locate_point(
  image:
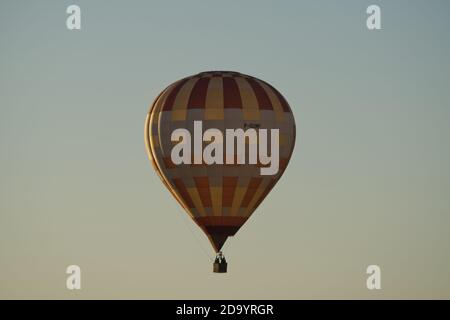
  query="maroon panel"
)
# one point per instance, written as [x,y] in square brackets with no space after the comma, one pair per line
[226,230]
[197,98]
[231,94]
[228,187]
[179,185]
[283,101]
[261,95]
[202,185]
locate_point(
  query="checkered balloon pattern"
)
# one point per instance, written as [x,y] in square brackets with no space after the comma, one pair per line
[218,197]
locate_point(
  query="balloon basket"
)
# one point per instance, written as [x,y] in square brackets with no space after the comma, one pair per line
[220,264]
[220,267]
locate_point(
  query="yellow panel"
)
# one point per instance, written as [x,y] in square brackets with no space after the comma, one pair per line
[179,115]
[283,139]
[182,100]
[214,100]
[276,104]
[216,198]
[237,199]
[155,141]
[197,201]
[250,108]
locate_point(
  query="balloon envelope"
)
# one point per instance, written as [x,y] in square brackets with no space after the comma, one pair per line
[218,197]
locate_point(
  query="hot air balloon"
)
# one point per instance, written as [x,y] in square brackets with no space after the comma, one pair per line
[221,189]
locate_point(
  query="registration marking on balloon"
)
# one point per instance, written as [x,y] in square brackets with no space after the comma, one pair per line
[220,141]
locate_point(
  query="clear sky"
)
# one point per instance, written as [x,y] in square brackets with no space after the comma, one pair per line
[368,183]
